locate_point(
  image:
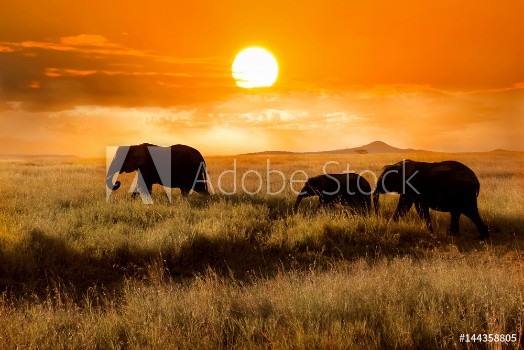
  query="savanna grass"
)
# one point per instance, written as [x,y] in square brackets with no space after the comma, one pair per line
[243,271]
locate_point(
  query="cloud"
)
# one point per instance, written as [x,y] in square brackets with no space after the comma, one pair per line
[420,118]
[5,48]
[99,45]
[92,70]
[68,72]
[411,117]
[61,72]
[84,43]
[87,40]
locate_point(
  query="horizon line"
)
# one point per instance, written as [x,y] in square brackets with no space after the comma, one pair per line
[258,153]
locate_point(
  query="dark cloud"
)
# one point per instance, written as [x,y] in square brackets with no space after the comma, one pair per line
[89,70]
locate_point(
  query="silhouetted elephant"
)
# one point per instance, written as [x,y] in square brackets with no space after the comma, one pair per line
[350,189]
[178,166]
[447,186]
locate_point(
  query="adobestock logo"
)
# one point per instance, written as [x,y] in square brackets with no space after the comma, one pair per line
[151,166]
[156,165]
[262,182]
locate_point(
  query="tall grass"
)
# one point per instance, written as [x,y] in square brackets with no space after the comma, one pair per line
[243,271]
[365,304]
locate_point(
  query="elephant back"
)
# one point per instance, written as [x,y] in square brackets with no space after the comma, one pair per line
[187,164]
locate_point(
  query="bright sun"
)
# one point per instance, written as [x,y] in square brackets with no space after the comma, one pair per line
[255,67]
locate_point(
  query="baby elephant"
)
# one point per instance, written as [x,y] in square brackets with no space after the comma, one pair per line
[349,188]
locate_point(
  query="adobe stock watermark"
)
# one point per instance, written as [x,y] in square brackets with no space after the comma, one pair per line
[154,167]
[156,161]
[263,182]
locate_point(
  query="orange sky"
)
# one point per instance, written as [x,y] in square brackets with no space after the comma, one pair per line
[445,75]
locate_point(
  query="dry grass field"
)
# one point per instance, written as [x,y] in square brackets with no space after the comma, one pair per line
[242,271]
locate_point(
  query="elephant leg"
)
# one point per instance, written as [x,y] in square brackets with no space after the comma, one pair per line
[423,212]
[332,200]
[454,225]
[136,192]
[481,226]
[328,202]
[322,201]
[147,191]
[360,205]
[404,204]
[367,205]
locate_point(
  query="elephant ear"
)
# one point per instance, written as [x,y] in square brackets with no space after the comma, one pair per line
[410,167]
[413,178]
[138,156]
[387,168]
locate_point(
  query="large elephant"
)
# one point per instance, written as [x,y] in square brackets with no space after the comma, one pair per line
[177,166]
[350,189]
[447,186]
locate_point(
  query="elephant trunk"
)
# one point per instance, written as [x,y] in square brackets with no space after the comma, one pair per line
[303,194]
[116,167]
[109,183]
[376,195]
[297,203]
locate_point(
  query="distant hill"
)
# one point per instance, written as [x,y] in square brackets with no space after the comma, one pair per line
[500,150]
[33,156]
[373,147]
